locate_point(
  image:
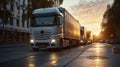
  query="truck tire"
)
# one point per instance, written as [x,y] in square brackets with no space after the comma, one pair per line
[61,44]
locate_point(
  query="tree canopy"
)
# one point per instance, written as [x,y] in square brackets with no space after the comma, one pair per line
[43,3]
[111,20]
[36,4]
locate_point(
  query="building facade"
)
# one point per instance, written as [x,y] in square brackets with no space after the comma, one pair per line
[14,21]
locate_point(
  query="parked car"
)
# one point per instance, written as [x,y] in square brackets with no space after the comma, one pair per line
[116,49]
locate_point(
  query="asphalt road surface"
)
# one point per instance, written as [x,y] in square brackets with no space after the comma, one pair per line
[92,55]
[26,57]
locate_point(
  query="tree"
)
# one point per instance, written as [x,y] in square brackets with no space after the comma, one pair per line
[111,20]
[116,16]
[36,4]
[43,3]
[5,16]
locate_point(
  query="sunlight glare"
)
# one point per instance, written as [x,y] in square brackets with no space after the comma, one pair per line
[54,58]
[96,34]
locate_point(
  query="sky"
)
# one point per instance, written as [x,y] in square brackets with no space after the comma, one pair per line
[88,12]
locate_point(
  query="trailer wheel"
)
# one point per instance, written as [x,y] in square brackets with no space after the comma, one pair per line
[60,48]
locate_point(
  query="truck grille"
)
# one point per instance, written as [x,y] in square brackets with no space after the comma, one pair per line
[38,36]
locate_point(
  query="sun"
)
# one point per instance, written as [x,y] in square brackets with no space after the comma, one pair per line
[97,33]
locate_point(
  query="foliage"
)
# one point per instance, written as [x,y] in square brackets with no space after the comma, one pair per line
[4,13]
[111,20]
[43,3]
[32,4]
[36,4]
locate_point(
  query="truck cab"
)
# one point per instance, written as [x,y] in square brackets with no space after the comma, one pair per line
[46,28]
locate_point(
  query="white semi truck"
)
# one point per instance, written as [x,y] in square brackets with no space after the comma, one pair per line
[54,28]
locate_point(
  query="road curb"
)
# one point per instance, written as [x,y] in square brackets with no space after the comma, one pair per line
[9,45]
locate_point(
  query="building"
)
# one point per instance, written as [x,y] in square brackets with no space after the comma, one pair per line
[14,21]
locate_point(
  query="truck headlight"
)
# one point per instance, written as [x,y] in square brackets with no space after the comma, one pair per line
[31,41]
[53,41]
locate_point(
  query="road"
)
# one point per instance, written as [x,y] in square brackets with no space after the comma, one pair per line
[99,55]
[26,57]
[92,55]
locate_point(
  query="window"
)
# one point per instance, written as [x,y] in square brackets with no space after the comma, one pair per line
[18,22]
[28,24]
[23,23]
[43,21]
[11,21]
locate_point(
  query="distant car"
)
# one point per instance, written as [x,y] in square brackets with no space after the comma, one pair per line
[89,42]
[102,41]
[113,41]
[116,49]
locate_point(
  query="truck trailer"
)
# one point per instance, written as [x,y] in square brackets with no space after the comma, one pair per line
[54,28]
[83,37]
[89,37]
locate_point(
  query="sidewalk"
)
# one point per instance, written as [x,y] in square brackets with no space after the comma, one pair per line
[7,45]
[97,56]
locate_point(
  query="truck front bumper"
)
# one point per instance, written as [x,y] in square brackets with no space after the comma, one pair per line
[44,44]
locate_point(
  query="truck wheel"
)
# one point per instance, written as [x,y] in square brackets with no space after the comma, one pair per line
[60,48]
[70,46]
[35,49]
[61,43]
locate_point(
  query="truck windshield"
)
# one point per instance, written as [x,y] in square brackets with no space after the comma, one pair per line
[43,21]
